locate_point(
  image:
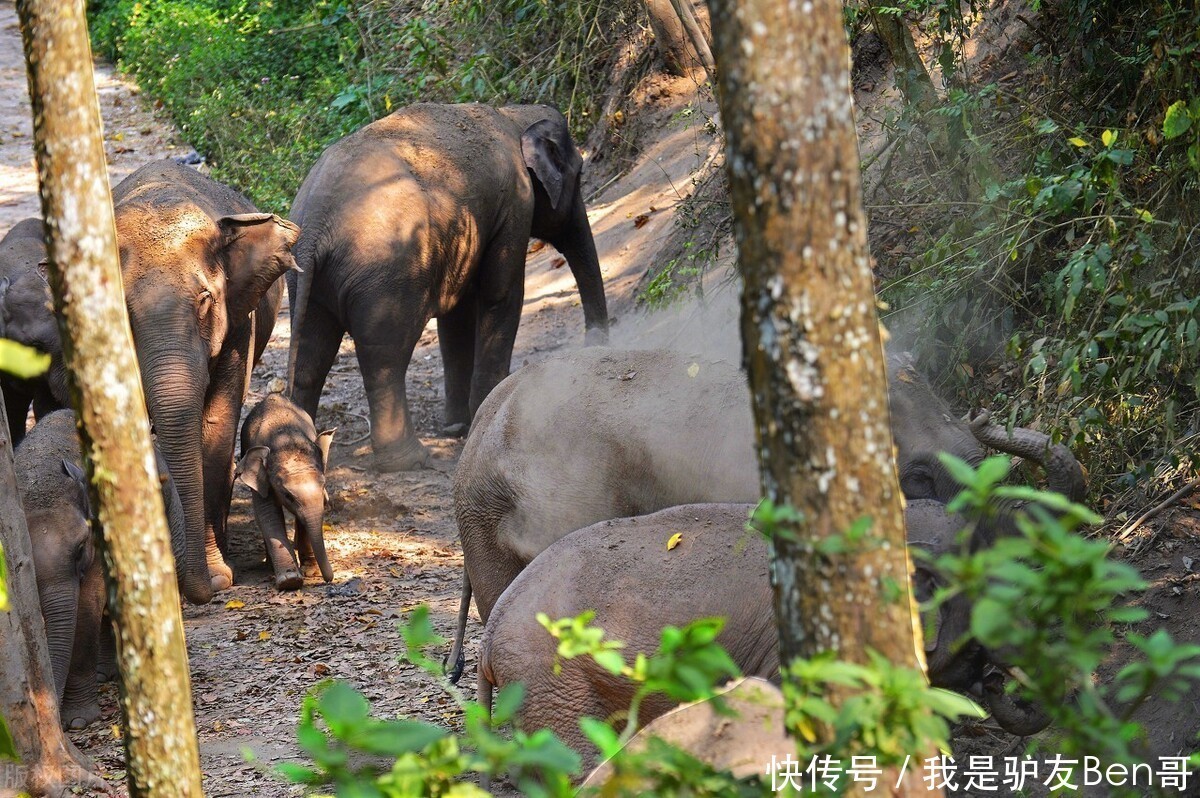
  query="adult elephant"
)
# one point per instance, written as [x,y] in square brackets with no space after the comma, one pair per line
[427,213]
[200,267]
[26,317]
[606,433]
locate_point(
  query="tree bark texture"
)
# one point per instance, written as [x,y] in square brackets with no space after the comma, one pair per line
[85,275]
[810,333]
[680,37]
[49,764]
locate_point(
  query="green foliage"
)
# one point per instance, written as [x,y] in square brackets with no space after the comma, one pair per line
[8,747]
[1069,599]
[3,581]
[262,87]
[22,361]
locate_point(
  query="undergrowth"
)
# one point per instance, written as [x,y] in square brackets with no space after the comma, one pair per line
[261,88]
[1074,253]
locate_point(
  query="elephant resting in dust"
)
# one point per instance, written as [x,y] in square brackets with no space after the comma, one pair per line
[70,583]
[624,571]
[606,433]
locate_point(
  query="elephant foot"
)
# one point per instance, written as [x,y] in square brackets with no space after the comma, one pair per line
[220,575]
[106,671]
[410,455]
[458,430]
[289,580]
[79,716]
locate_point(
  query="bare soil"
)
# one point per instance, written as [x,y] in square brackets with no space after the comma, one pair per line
[392,539]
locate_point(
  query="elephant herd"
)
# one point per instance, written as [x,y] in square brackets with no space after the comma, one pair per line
[575,470]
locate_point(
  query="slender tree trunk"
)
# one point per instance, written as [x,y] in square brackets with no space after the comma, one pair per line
[679,36]
[810,333]
[85,275]
[50,764]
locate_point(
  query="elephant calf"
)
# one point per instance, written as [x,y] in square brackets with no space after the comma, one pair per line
[624,571]
[283,463]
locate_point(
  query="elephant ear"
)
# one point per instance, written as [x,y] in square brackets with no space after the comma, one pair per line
[252,470]
[76,473]
[547,150]
[323,442]
[256,250]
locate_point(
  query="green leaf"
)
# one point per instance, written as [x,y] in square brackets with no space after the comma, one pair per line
[601,735]
[396,737]
[343,707]
[22,361]
[1177,121]
[298,774]
[507,702]
[8,748]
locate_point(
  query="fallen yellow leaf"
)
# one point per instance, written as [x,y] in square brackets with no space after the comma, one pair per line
[234,604]
[264,635]
[674,540]
[115,730]
[693,370]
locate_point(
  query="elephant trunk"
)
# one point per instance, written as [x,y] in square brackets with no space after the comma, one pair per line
[579,248]
[1064,474]
[174,387]
[314,522]
[59,606]
[1016,715]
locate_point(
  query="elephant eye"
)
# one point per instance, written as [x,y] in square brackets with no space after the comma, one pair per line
[82,559]
[918,484]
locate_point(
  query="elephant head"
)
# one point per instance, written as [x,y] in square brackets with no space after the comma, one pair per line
[559,212]
[192,277]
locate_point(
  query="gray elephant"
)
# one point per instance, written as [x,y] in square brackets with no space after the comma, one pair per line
[200,267]
[606,433]
[283,463]
[624,570]
[26,317]
[427,213]
[70,582]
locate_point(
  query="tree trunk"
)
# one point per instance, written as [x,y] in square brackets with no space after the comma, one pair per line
[49,765]
[85,275]
[679,36]
[810,333]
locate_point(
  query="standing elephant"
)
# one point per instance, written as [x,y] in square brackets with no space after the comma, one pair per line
[27,318]
[428,213]
[70,582]
[625,571]
[605,433]
[200,267]
[283,463]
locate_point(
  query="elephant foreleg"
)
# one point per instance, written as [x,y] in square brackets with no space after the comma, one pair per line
[81,705]
[279,550]
[456,339]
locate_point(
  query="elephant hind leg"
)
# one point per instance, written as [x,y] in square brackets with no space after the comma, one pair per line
[317,349]
[384,366]
[456,339]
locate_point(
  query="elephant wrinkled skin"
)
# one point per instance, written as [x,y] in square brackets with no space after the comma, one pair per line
[200,267]
[428,213]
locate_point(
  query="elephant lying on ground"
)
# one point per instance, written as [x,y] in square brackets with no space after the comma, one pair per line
[26,317]
[605,433]
[70,582]
[200,267]
[427,213]
[624,571]
[283,463]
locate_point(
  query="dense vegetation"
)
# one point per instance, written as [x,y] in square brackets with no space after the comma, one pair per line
[1056,231]
[260,88]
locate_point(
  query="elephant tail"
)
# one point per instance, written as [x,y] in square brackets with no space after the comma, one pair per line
[455,659]
[305,253]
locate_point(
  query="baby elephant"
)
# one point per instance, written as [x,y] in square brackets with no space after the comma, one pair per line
[283,463]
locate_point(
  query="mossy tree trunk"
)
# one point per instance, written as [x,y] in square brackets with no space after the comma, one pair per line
[50,764]
[810,333]
[85,275]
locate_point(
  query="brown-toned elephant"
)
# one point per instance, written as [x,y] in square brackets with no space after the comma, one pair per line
[428,213]
[200,267]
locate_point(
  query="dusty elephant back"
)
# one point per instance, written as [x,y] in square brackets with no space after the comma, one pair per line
[39,460]
[597,434]
[624,571]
